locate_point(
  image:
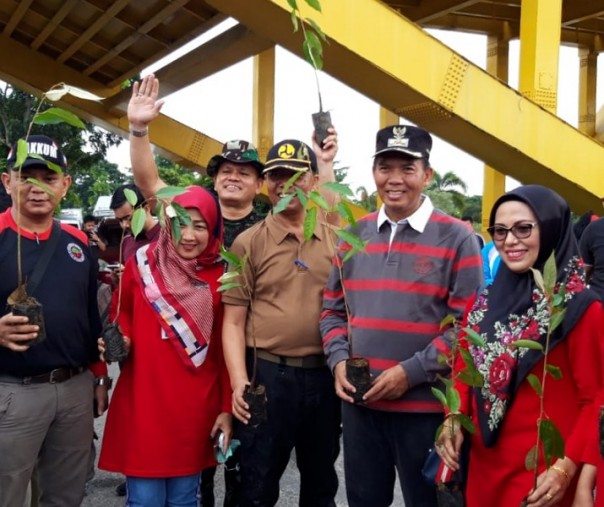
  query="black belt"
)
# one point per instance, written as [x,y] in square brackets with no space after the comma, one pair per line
[52,377]
[314,361]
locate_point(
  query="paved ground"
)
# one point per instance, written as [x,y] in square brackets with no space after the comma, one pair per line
[101,490]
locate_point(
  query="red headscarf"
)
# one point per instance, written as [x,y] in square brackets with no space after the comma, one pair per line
[184,302]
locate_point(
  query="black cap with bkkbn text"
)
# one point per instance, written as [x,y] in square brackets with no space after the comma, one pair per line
[41,151]
[291,154]
[412,141]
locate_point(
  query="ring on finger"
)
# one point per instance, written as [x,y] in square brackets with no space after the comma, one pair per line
[549,497]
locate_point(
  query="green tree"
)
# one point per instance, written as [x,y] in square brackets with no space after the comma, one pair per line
[366,200]
[84,149]
[101,179]
[447,192]
[473,208]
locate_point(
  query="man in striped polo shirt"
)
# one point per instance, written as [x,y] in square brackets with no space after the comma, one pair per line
[420,265]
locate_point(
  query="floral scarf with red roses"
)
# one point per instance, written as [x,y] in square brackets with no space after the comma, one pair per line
[514,308]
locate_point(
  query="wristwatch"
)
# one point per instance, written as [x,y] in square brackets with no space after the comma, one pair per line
[104,380]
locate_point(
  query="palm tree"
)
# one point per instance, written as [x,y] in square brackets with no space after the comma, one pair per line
[449,185]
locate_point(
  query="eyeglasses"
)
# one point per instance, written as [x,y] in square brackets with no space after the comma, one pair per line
[520,231]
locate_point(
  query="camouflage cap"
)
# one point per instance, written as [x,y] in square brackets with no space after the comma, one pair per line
[238,152]
[292,154]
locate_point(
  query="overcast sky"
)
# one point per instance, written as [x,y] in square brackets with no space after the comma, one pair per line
[221,107]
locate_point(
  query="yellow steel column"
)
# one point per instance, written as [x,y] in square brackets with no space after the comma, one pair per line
[540,22]
[263,129]
[388,118]
[494,181]
[588,70]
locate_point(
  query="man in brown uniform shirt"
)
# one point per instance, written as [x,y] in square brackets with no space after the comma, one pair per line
[285,277]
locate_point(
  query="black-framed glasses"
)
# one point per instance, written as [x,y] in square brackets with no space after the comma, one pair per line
[520,231]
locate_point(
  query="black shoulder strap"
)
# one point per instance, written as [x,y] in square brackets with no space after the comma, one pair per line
[40,268]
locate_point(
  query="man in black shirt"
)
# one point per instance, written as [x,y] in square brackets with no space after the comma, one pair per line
[46,389]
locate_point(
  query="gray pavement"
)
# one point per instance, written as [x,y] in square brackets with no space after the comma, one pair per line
[101,489]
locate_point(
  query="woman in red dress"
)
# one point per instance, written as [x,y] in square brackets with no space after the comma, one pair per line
[173,393]
[527,224]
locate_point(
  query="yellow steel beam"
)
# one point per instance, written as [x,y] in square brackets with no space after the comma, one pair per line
[408,71]
[263,127]
[539,49]
[388,118]
[588,75]
[176,140]
[498,48]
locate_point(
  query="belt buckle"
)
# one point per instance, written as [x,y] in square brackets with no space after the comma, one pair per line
[51,377]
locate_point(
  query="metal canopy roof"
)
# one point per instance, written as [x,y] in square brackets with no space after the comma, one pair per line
[112,40]
[582,20]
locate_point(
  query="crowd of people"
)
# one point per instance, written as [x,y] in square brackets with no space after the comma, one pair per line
[302,310]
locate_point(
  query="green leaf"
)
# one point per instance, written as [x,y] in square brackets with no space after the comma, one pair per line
[229,276]
[301,196]
[440,396]
[527,344]
[41,185]
[472,375]
[530,460]
[54,167]
[175,227]
[313,51]
[533,380]
[556,319]
[291,181]
[470,378]
[21,152]
[294,18]
[228,286]
[160,213]
[352,239]
[293,4]
[346,213]
[453,399]
[467,423]
[442,359]
[130,196]
[341,189]
[231,258]
[182,214]
[310,222]
[80,93]
[138,221]
[554,371]
[315,4]
[283,203]
[317,29]
[318,199]
[538,279]
[558,299]
[553,443]
[448,320]
[55,115]
[550,273]
[56,93]
[473,337]
[168,192]
[350,253]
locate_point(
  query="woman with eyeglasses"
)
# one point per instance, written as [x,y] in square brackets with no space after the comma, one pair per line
[528,225]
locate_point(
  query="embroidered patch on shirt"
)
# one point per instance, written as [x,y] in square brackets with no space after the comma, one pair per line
[423,265]
[76,252]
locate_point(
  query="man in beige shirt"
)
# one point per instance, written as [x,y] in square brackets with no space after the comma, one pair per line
[279,306]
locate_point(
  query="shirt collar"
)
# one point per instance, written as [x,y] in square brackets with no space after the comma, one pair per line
[279,233]
[417,220]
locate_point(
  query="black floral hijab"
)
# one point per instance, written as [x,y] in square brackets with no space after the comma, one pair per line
[514,308]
